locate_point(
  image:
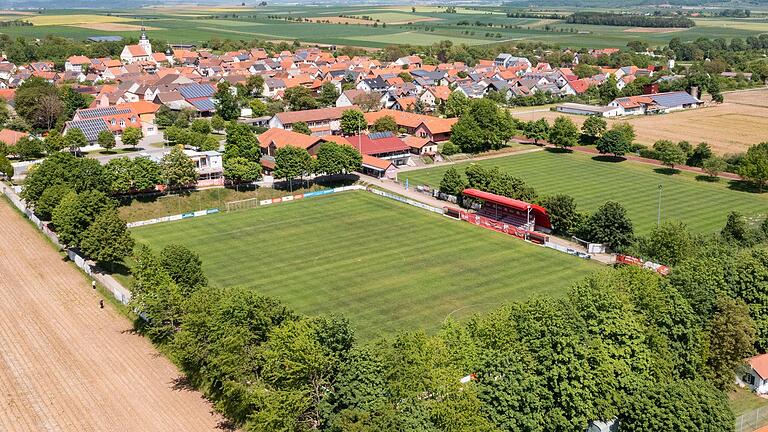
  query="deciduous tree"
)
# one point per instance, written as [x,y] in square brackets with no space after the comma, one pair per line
[609,225]
[453,182]
[227,104]
[184,267]
[107,239]
[386,123]
[563,214]
[302,128]
[177,169]
[239,169]
[594,127]
[353,122]
[76,212]
[106,140]
[292,162]
[132,136]
[669,153]
[564,133]
[754,166]
[75,139]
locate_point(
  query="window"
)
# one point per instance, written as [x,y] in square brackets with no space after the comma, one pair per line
[749,379]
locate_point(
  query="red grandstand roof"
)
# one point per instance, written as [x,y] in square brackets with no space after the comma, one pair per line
[539,212]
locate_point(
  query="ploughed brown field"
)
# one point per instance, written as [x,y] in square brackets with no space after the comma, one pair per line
[66,364]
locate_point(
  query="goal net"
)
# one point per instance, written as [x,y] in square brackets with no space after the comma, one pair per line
[242,204]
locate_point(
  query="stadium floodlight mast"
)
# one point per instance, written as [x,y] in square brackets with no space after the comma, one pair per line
[658,214]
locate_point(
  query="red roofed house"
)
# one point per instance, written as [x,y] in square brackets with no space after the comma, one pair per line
[434,95]
[276,138]
[11,137]
[323,121]
[756,377]
[378,168]
[420,145]
[435,128]
[77,64]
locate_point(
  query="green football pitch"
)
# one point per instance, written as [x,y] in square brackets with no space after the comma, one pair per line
[702,205]
[384,265]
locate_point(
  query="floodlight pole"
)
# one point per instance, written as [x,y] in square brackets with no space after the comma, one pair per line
[658,214]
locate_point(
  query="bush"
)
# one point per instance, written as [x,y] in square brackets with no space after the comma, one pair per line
[449,149]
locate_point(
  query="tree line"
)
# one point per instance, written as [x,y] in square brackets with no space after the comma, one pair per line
[629,20]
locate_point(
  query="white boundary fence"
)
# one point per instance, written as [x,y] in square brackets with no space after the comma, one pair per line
[259,204]
[752,420]
[408,201]
[117,290]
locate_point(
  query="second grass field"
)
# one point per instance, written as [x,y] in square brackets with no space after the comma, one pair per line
[701,205]
[384,265]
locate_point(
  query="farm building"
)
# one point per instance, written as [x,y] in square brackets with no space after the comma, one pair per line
[582,109]
[655,103]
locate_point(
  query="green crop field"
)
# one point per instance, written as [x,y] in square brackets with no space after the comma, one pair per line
[384,265]
[428,24]
[702,205]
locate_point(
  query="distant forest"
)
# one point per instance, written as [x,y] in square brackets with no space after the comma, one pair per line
[629,20]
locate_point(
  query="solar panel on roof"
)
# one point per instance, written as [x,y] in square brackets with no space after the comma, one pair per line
[90,127]
[193,91]
[674,99]
[204,104]
[101,112]
[380,135]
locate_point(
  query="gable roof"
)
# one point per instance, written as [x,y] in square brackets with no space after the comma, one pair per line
[377,143]
[760,364]
[282,137]
[332,113]
[11,137]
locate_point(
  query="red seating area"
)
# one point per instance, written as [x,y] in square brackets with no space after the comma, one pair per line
[511,211]
[503,214]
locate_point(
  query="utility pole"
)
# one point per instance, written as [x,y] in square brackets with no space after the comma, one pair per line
[658,214]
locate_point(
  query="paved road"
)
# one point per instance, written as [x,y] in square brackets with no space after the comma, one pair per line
[66,364]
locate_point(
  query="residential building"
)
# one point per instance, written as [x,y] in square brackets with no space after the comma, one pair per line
[322,121]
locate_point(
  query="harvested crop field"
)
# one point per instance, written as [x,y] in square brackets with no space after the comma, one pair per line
[731,127]
[115,27]
[66,364]
[68,20]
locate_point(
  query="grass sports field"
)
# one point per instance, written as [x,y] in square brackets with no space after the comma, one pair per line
[702,205]
[354,25]
[385,265]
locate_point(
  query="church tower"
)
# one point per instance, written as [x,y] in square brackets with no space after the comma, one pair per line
[144,41]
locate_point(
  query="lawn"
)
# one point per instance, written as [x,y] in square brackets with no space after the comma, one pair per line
[702,205]
[384,265]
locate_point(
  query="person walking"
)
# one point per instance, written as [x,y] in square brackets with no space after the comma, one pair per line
[101,304]
[93,284]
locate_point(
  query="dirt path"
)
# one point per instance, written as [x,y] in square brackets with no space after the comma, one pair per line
[65,364]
